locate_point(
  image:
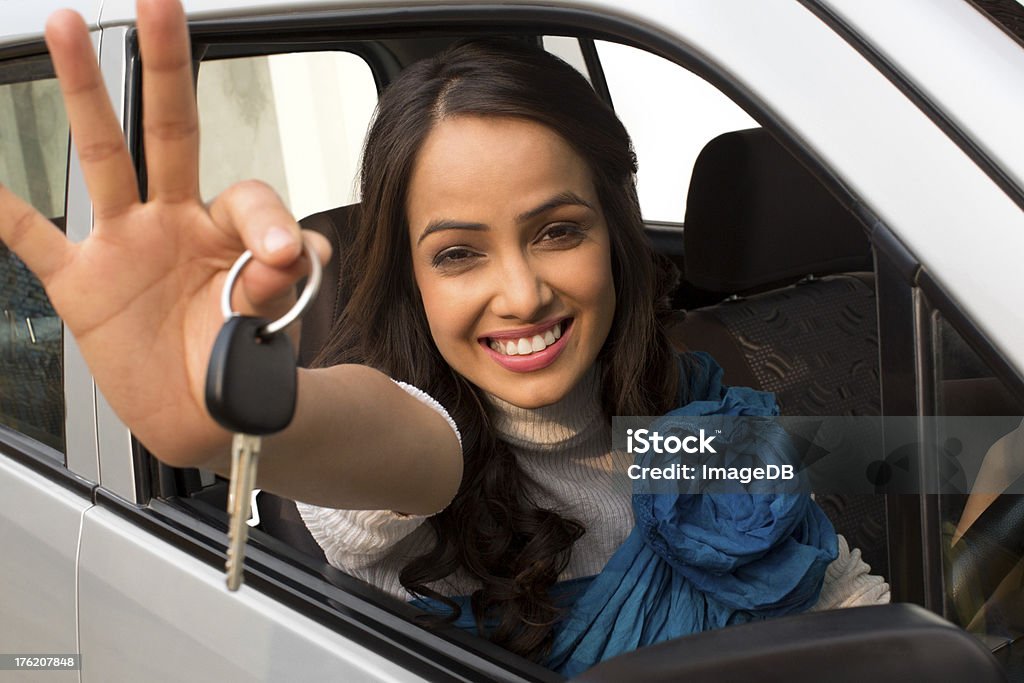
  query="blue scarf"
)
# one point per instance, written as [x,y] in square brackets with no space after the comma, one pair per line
[693,562]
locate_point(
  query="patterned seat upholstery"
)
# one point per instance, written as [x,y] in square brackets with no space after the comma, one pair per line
[798,313]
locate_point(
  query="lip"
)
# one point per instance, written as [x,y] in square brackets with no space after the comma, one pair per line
[533,361]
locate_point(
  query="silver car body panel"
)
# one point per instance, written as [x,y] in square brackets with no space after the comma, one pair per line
[38,587]
[151,612]
[24,21]
[79,389]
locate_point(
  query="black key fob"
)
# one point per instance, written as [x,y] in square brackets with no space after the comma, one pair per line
[251,384]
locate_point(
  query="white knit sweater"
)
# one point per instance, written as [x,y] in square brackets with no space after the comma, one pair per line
[564,449]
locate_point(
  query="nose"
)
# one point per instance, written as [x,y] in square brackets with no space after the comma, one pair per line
[522,292]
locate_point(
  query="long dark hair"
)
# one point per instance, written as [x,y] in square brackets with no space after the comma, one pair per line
[492,530]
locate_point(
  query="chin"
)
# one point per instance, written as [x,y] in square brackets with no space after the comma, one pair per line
[531,397]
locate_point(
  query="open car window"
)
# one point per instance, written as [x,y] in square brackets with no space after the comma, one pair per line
[247,102]
[978,438]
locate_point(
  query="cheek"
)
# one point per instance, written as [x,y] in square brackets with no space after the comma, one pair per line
[596,286]
[430,299]
[449,315]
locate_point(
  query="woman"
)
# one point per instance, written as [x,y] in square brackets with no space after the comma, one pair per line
[502,269]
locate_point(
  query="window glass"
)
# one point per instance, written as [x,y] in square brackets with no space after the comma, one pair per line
[33,164]
[980,432]
[671,114]
[568,50]
[295,121]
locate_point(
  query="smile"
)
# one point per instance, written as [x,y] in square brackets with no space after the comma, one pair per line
[524,346]
[531,351]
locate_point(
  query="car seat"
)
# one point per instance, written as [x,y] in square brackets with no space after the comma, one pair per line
[279,516]
[797,315]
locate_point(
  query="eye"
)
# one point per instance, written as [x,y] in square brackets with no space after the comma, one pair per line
[454,257]
[562,234]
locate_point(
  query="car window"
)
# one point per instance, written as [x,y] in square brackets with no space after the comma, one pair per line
[289,120]
[33,164]
[979,437]
[569,50]
[295,121]
[670,114]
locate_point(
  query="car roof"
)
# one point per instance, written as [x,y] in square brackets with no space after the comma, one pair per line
[23,20]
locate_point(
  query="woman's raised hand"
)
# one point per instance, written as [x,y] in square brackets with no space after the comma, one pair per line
[141,293]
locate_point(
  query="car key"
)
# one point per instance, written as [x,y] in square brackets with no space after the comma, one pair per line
[251,390]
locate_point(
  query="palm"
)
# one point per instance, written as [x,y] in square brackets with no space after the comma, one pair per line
[141,293]
[142,304]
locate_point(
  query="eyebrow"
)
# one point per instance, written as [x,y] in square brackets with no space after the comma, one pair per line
[560,199]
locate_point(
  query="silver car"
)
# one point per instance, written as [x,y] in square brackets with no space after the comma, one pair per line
[848,174]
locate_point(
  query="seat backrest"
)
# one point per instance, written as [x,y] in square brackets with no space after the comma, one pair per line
[339,226]
[279,517]
[799,314]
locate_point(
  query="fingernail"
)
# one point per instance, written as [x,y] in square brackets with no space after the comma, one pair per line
[277,239]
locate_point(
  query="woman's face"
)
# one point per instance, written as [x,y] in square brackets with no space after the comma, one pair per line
[511,255]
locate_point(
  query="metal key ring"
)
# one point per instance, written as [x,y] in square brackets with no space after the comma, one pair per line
[308,292]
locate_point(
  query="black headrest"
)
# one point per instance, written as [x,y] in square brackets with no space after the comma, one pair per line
[755,217]
[339,227]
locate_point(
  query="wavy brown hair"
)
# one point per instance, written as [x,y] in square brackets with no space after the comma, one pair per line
[493,531]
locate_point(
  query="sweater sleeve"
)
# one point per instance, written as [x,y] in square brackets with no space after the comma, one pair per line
[849,583]
[355,539]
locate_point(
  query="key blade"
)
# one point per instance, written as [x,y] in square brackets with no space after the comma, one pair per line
[245,450]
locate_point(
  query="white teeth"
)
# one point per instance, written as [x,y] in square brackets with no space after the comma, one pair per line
[527,345]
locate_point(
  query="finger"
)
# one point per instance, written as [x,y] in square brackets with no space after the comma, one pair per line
[252,212]
[98,138]
[169,120]
[264,287]
[36,241]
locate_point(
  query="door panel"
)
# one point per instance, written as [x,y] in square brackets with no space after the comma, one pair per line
[151,612]
[39,527]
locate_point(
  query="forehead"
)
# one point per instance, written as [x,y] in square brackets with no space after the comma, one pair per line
[478,168]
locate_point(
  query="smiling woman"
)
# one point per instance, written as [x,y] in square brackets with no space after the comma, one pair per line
[501,267]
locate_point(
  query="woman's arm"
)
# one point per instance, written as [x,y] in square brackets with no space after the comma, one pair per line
[359,441]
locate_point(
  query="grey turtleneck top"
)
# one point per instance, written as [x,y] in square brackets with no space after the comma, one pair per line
[564,448]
